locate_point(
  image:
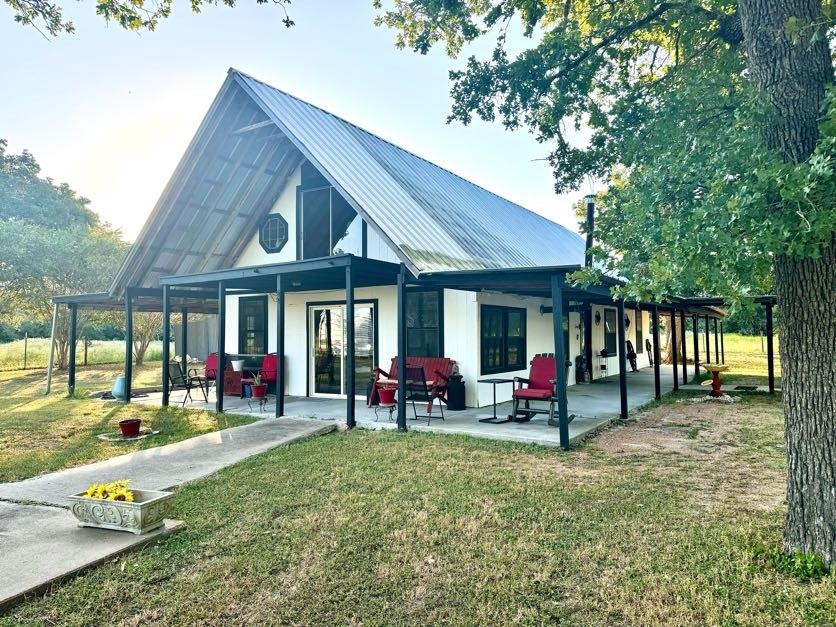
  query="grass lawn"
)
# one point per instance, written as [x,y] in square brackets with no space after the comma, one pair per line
[40,434]
[99,352]
[743,354]
[653,522]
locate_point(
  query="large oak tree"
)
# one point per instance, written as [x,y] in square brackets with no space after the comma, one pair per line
[714,123]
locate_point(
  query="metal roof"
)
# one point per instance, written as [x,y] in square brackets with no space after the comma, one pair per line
[435,220]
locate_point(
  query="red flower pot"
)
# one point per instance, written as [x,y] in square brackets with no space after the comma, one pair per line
[259,391]
[130,427]
[387,396]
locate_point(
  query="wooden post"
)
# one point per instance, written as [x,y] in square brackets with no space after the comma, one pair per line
[657,384]
[349,348]
[684,349]
[560,359]
[716,343]
[707,342]
[219,377]
[770,348]
[166,342]
[279,347]
[51,349]
[402,348]
[73,339]
[675,351]
[622,359]
[129,343]
[695,322]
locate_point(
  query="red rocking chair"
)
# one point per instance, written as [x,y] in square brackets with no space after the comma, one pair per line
[539,386]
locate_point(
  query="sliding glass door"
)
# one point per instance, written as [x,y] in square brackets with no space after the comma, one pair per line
[327,355]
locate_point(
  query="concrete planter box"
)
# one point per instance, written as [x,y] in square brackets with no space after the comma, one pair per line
[146,513]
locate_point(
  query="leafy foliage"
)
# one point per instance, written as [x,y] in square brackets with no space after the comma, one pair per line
[803,566]
[696,203]
[129,14]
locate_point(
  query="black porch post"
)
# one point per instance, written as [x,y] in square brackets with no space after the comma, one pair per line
[707,342]
[657,384]
[675,351]
[349,348]
[716,343]
[722,344]
[279,347]
[184,334]
[770,348]
[684,348]
[622,358]
[402,348]
[587,339]
[695,321]
[560,359]
[73,339]
[219,377]
[166,341]
[129,343]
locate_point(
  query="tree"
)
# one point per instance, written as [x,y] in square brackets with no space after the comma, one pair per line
[51,243]
[147,328]
[129,14]
[714,123]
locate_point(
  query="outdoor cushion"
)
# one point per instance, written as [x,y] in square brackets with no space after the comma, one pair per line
[269,368]
[532,394]
[542,373]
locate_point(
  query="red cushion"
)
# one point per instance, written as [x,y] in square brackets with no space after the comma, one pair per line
[542,373]
[533,394]
[211,366]
[269,367]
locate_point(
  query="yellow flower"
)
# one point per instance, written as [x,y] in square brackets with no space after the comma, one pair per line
[113,491]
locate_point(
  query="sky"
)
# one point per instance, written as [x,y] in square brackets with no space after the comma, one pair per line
[111,112]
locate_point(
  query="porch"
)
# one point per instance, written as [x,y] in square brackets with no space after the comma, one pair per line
[594,406]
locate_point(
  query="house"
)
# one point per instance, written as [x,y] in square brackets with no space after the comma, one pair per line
[284,219]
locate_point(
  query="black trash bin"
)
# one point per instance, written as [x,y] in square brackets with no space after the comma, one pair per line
[455,393]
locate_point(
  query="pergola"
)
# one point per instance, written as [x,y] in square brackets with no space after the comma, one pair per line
[206,293]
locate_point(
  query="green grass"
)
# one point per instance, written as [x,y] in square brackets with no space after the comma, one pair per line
[37,353]
[381,528]
[748,364]
[43,433]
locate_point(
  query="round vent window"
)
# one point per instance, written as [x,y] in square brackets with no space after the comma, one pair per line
[273,233]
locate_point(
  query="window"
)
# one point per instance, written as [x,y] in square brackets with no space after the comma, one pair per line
[639,332]
[329,225]
[424,323]
[273,233]
[610,321]
[252,325]
[503,346]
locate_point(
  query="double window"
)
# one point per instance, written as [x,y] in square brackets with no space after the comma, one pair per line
[328,225]
[610,342]
[252,325]
[639,331]
[502,334]
[424,327]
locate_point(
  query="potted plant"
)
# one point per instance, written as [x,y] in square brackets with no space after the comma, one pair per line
[258,388]
[114,506]
[130,427]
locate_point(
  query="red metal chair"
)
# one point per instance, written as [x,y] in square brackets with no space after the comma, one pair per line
[269,369]
[539,386]
[437,370]
[210,372]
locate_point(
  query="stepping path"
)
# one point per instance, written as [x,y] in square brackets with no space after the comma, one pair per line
[40,542]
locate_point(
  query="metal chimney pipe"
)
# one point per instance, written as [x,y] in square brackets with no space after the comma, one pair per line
[590,227]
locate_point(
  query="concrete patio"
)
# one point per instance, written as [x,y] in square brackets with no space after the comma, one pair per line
[594,406]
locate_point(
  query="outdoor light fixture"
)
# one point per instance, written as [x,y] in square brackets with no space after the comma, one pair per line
[597,318]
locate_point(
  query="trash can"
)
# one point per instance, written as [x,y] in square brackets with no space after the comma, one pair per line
[118,389]
[455,393]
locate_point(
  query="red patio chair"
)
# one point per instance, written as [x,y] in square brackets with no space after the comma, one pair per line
[269,368]
[539,386]
[210,372]
[436,369]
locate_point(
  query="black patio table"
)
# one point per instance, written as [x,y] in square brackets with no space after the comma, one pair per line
[493,419]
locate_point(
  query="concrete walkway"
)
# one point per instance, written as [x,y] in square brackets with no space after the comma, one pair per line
[40,542]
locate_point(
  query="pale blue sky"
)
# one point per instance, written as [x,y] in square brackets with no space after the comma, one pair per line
[111,112]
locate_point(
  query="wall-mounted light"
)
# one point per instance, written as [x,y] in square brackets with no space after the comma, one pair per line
[597,318]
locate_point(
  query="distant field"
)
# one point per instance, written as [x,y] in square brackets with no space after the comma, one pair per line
[99,352]
[744,356]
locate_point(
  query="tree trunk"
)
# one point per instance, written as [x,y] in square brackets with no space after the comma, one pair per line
[794,76]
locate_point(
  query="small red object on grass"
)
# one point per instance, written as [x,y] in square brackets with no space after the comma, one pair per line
[130,427]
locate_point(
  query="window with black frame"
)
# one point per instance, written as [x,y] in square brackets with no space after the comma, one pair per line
[252,325]
[502,338]
[424,333]
[639,332]
[328,225]
[610,322]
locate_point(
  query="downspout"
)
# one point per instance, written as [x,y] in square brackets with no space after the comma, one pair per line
[51,348]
